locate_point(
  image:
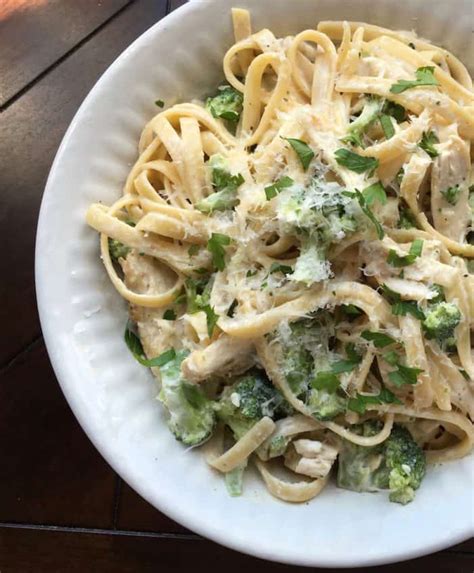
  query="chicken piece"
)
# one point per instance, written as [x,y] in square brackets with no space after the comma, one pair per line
[451,170]
[146,275]
[226,356]
[310,457]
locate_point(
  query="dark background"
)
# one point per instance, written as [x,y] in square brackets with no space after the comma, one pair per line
[61,507]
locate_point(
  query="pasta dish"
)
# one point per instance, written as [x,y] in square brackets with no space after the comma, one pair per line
[297,249]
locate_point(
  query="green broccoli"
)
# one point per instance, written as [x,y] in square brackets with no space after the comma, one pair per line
[227,104]
[326,405]
[440,322]
[370,113]
[305,353]
[278,445]
[406,465]
[234,480]
[398,464]
[117,249]
[225,184]
[320,215]
[358,466]
[251,397]
[191,413]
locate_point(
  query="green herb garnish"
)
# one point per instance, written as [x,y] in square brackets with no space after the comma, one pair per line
[356,162]
[375,192]
[404,375]
[135,346]
[451,194]
[387,126]
[361,401]
[215,246]
[427,143]
[398,261]
[169,314]
[424,77]
[379,339]
[302,150]
[277,187]
[325,381]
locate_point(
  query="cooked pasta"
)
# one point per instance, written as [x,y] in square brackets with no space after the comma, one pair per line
[297,254]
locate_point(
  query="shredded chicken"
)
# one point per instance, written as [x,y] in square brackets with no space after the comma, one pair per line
[451,169]
[226,356]
[311,458]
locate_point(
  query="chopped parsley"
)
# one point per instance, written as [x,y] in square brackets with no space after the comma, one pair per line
[279,268]
[215,246]
[356,162]
[367,211]
[325,381]
[375,192]
[348,364]
[303,151]
[407,219]
[379,339]
[451,194]
[361,401]
[277,187]
[404,375]
[135,346]
[424,77]
[402,307]
[427,143]
[395,110]
[398,261]
[387,126]
[169,314]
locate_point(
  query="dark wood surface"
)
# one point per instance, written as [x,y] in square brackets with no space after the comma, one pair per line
[61,507]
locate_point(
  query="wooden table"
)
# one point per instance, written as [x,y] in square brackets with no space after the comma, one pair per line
[62,508]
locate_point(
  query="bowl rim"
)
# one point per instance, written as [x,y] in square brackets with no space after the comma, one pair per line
[61,368]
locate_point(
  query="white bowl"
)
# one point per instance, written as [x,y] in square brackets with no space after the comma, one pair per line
[83,318]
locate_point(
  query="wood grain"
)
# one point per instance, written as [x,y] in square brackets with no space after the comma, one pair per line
[34,34]
[30,132]
[50,472]
[134,513]
[43,551]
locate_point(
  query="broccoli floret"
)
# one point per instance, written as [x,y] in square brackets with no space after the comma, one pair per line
[320,215]
[398,464]
[406,463]
[440,322]
[191,413]
[305,352]
[227,104]
[370,113]
[278,445]
[234,480]
[326,405]
[300,342]
[358,466]
[224,183]
[118,250]
[251,397]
